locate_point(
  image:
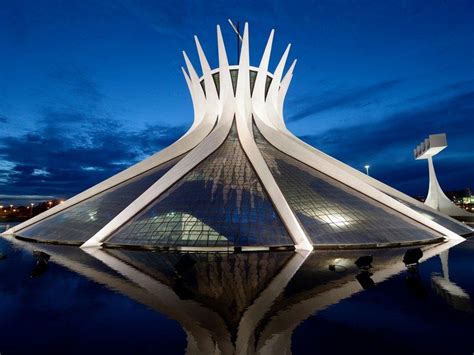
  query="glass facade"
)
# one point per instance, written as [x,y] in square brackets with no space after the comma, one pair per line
[234,74]
[220,202]
[333,213]
[445,222]
[80,222]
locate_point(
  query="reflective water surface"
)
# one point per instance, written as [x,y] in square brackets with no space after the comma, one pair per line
[138,302]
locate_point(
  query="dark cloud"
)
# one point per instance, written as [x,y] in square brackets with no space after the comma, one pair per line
[388,144]
[155,137]
[357,97]
[3,119]
[75,145]
[448,90]
[60,161]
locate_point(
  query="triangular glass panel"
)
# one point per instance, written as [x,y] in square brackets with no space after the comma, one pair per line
[220,203]
[333,213]
[234,73]
[78,223]
[429,213]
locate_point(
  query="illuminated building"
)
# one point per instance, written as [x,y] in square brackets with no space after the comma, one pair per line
[239,180]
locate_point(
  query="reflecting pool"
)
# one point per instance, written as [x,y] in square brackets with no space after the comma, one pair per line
[387,301]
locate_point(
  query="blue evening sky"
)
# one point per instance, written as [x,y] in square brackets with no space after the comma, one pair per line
[89,87]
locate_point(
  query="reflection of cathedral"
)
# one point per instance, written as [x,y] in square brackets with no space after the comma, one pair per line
[239,180]
[248,303]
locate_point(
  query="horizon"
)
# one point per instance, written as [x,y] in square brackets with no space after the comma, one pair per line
[92,88]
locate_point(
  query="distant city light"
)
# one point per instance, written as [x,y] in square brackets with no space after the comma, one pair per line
[20,212]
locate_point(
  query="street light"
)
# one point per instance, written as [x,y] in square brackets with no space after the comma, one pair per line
[31,210]
[367,169]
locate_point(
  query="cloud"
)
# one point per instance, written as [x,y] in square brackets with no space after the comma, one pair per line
[40,172]
[3,119]
[55,160]
[155,137]
[388,145]
[75,144]
[357,97]
[445,91]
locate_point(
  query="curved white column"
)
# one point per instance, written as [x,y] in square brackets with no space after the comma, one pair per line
[287,216]
[245,109]
[258,95]
[273,91]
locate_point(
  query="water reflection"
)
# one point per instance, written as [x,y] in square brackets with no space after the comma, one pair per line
[249,302]
[41,266]
[452,293]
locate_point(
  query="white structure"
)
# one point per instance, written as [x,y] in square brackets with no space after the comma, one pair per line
[239,180]
[436,198]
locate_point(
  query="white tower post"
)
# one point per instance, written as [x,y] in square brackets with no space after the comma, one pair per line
[436,198]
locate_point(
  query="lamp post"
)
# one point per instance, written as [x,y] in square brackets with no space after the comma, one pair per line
[367,169]
[31,210]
